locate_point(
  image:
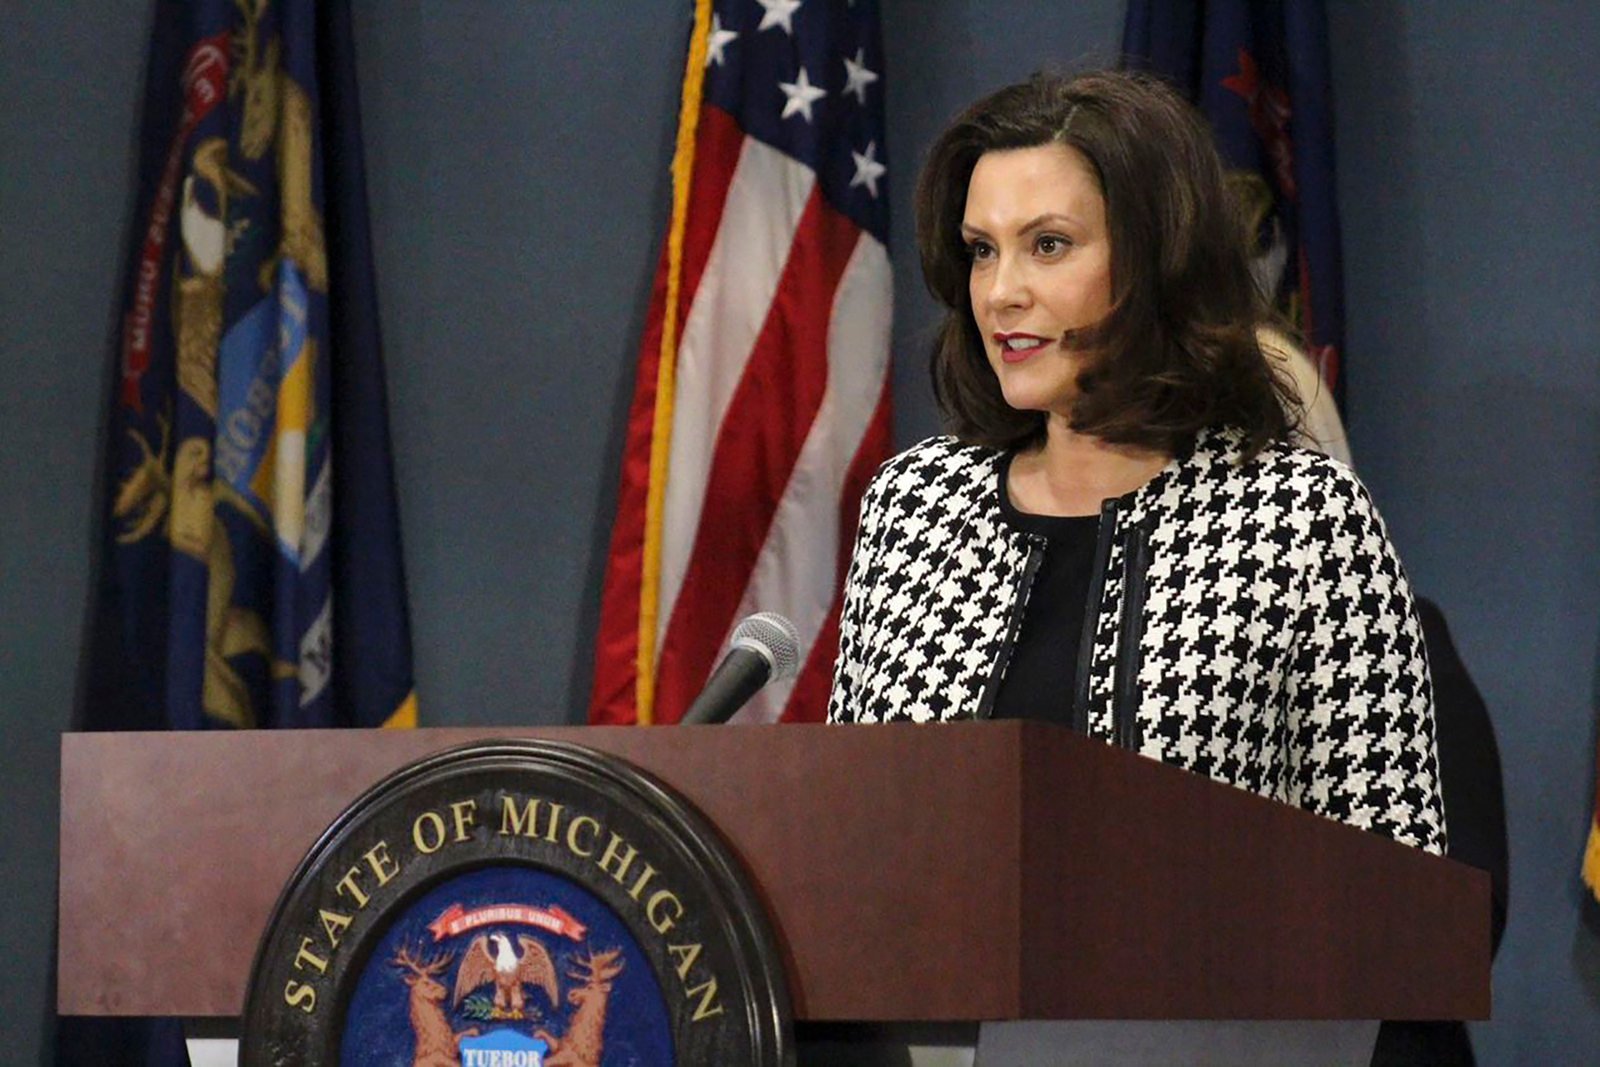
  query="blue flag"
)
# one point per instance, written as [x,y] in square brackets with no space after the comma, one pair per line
[250,572]
[1258,69]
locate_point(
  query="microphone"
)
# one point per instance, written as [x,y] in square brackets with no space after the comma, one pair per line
[764,648]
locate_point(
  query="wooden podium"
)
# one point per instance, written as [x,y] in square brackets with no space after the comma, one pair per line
[934,874]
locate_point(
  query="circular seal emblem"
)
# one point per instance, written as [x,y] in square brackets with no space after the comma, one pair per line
[518,904]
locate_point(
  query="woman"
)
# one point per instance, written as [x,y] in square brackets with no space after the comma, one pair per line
[1119,535]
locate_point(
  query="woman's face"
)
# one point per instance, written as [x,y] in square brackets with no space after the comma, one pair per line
[1035,227]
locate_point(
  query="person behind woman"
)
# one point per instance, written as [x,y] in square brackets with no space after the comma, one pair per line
[1119,534]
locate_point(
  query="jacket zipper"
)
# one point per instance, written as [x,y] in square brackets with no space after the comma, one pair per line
[1030,568]
[1091,614]
[1130,634]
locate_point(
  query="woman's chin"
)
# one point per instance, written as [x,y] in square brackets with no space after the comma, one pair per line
[1044,401]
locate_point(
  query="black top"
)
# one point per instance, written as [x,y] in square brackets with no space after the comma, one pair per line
[1041,676]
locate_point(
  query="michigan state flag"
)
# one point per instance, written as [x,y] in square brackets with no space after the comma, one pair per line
[1258,69]
[251,572]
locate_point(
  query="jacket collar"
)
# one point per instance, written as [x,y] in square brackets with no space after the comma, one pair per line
[1209,448]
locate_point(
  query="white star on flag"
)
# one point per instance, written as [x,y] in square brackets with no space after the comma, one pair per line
[868,170]
[800,95]
[778,13]
[720,39]
[857,77]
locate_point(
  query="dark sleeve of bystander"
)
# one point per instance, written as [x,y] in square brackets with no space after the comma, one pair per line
[1469,765]
[1475,816]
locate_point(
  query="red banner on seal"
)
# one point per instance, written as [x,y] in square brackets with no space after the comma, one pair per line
[456,920]
[205,84]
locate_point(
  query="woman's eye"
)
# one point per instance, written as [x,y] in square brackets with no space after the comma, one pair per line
[1049,244]
[979,250]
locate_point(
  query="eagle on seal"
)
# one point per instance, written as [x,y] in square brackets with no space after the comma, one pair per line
[492,959]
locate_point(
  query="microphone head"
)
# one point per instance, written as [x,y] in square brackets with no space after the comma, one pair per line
[774,638]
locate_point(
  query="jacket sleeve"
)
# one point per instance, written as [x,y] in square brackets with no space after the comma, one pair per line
[1360,732]
[844,702]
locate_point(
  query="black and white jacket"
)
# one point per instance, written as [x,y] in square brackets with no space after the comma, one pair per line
[1246,621]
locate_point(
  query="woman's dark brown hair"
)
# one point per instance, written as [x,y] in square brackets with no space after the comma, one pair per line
[1178,351]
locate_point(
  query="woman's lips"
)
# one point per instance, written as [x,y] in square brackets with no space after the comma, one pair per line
[1016,347]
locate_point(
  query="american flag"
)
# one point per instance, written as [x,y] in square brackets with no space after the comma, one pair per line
[761,406]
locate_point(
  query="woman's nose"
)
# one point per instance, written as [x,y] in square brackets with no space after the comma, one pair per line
[1008,285]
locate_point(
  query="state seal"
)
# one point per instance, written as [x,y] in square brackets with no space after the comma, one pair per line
[518,904]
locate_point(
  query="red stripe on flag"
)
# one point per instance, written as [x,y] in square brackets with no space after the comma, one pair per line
[718,145]
[718,142]
[808,701]
[756,447]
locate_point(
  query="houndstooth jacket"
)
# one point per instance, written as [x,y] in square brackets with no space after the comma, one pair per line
[1246,621]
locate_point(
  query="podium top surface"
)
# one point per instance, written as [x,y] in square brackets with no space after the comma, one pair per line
[938,873]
